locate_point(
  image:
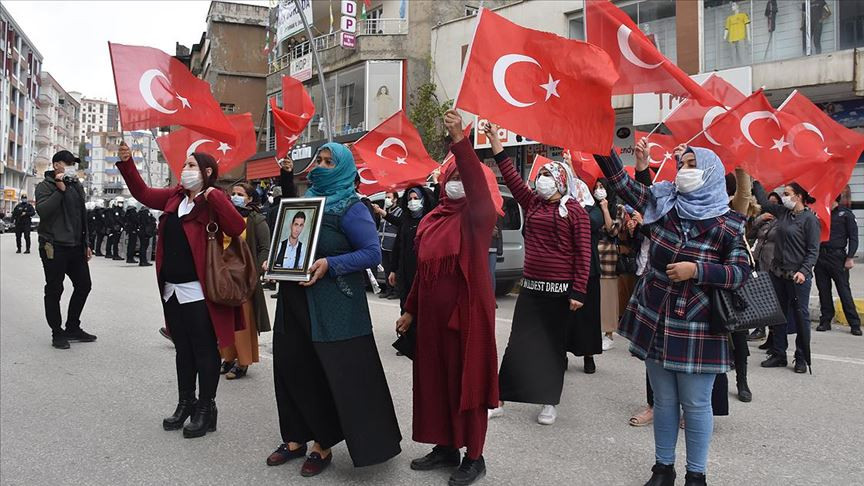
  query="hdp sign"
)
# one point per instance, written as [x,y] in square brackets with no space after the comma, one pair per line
[348,24]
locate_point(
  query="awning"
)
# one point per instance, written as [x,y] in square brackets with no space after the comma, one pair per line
[262,169]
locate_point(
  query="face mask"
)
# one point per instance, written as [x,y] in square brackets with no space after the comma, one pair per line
[191,180]
[689,180]
[788,202]
[388,203]
[546,186]
[238,200]
[415,205]
[454,190]
[600,194]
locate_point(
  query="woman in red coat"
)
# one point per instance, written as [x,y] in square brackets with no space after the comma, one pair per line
[198,327]
[455,363]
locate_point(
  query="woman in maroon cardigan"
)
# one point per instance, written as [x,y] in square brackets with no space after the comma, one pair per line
[198,327]
[455,362]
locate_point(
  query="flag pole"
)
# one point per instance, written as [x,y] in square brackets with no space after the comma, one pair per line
[328,129]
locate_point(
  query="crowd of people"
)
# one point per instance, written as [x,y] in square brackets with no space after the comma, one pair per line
[625,256]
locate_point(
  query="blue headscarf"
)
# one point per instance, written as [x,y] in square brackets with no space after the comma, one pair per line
[336,184]
[709,201]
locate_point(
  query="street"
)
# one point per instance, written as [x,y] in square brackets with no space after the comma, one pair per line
[92,415]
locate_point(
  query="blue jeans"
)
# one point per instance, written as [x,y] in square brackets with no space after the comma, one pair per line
[493,262]
[692,392]
[788,293]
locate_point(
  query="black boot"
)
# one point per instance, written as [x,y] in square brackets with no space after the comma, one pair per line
[203,420]
[694,479]
[470,471]
[441,456]
[744,393]
[185,407]
[662,475]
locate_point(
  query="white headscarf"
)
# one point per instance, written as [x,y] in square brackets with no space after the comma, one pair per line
[569,186]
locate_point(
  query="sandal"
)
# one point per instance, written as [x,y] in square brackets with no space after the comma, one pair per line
[236,372]
[226,367]
[643,418]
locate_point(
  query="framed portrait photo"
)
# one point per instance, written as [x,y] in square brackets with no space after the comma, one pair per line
[295,239]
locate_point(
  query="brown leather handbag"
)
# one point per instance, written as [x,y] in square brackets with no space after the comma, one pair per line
[232,274]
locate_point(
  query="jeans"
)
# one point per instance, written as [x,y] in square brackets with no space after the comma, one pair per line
[71,261]
[794,300]
[692,392]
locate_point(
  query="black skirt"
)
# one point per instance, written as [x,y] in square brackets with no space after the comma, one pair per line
[584,336]
[532,370]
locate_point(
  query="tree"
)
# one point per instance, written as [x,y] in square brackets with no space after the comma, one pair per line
[426,112]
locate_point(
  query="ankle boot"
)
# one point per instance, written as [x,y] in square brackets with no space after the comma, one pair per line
[203,420]
[185,407]
[694,479]
[662,475]
[744,393]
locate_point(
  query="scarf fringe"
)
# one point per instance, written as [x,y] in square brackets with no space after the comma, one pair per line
[430,270]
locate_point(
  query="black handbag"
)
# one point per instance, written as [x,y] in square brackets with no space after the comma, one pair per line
[752,305]
[407,343]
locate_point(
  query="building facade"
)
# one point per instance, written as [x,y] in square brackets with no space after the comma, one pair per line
[96,115]
[57,119]
[20,65]
[811,46]
[103,179]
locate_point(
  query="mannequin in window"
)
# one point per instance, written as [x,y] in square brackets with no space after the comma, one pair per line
[737,32]
[646,29]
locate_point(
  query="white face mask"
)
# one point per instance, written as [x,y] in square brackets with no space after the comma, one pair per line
[191,179]
[415,205]
[454,189]
[388,203]
[689,180]
[600,194]
[788,202]
[238,200]
[546,186]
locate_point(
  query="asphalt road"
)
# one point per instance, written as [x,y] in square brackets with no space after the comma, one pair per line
[92,415]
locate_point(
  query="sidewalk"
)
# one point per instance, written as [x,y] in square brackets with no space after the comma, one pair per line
[856,281]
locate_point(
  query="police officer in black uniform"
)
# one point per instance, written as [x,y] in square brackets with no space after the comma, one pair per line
[91,227]
[114,221]
[22,216]
[835,260]
[99,229]
[130,226]
[146,231]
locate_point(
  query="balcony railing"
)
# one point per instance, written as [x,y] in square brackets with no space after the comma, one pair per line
[383,27]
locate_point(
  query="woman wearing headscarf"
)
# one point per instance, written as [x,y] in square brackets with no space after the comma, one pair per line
[608,250]
[584,334]
[455,362]
[695,246]
[417,202]
[557,256]
[198,326]
[330,385]
[237,357]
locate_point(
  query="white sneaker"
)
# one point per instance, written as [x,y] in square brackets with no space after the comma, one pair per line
[547,415]
[608,343]
[496,412]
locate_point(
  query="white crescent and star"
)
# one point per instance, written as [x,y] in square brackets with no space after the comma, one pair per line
[753,116]
[626,51]
[392,141]
[708,119]
[499,75]
[650,160]
[145,87]
[197,143]
[364,180]
[803,127]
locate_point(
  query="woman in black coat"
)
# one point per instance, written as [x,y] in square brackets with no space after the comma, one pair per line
[416,202]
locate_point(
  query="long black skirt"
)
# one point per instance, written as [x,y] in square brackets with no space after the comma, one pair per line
[534,363]
[329,392]
[584,336]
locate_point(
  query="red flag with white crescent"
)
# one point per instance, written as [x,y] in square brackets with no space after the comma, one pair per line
[661,154]
[157,90]
[296,112]
[179,145]
[535,83]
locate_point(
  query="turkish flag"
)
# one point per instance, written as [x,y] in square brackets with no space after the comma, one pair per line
[156,90]
[394,153]
[767,141]
[290,121]
[585,167]
[641,67]
[539,162]
[368,184]
[550,89]
[178,146]
[661,150]
[843,146]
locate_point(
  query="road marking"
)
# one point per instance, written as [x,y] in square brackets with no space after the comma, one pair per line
[838,359]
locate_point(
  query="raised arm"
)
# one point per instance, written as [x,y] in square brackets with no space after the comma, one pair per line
[48,199]
[634,193]
[148,196]
[359,228]
[743,190]
[762,198]
[476,191]
[521,192]
[286,178]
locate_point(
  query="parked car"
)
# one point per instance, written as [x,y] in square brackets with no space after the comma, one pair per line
[34,222]
[508,270]
[5,225]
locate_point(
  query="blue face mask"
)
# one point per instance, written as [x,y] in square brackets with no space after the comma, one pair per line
[238,200]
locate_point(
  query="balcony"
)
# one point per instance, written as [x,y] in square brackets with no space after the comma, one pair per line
[112,160]
[46,100]
[383,27]
[42,118]
[113,185]
[42,139]
[112,172]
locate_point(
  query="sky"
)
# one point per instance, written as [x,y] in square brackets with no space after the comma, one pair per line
[73,36]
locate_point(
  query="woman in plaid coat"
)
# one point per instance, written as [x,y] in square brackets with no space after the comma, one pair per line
[695,244]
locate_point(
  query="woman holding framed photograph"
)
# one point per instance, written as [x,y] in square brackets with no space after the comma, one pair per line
[330,385]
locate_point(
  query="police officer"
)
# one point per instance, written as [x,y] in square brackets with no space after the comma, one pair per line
[391,218]
[21,218]
[130,226]
[834,263]
[91,227]
[146,230]
[99,229]
[115,227]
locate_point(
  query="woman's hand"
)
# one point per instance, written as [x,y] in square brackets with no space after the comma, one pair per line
[680,272]
[491,131]
[436,174]
[679,150]
[317,271]
[403,323]
[604,205]
[124,152]
[378,210]
[391,279]
[575,305]
[641,153]
[453,123]
[287,164]
[799,278]
[850,263]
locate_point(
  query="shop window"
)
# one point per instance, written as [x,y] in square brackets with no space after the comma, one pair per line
[851,19]
[655,18]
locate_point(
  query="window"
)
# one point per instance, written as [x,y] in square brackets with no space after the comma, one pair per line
[228,107]
[470,11]
[851,24]
[101,108]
